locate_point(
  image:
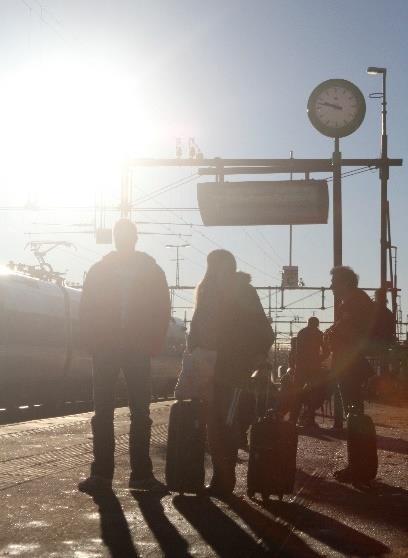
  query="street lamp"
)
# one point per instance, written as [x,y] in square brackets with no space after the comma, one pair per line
[384,171]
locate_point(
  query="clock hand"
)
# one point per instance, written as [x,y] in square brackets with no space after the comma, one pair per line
[326,104]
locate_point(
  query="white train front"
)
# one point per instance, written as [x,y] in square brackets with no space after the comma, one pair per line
[40,356]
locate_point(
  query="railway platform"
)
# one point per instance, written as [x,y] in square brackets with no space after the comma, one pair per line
[42,513]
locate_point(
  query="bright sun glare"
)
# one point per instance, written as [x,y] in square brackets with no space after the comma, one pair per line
[67,129]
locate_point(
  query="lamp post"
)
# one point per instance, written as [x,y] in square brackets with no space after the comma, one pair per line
[384,172]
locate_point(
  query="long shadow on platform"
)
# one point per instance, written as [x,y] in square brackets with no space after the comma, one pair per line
[278,537]
[387,443]
[384,504]
[329,531]
[228,539]
[168,537]
[115,531]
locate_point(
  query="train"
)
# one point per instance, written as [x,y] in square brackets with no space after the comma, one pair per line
[41,358]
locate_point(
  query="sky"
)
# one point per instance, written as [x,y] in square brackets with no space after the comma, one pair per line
[85,84]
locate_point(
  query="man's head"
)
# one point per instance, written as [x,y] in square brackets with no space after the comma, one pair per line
[313,322]
[125,236]
[343,280]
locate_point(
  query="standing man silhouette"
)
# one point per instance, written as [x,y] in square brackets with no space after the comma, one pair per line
[124,315]
[349,338]
[311,350]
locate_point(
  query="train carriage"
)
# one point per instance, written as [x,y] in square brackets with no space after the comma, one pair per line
[41,359]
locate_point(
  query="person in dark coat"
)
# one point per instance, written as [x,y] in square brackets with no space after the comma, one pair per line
[349,338]
[311,350]
[124,316]
[231,318]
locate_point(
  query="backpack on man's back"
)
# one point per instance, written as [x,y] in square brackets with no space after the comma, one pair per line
[383,331]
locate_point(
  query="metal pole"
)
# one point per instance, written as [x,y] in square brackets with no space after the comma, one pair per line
[124,202]
[177,267]
[290,245]
[337,210]
[384,174]
[290,226]
[337,259]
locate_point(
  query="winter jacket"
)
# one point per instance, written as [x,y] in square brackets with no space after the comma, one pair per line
[350,335]
[204,323]
[125,304]
[243,332]
[310,350]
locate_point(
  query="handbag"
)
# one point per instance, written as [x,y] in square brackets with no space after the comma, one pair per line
[196,375]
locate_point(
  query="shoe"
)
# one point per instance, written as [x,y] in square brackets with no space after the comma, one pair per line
[94,484]
[149,484]
[343,475]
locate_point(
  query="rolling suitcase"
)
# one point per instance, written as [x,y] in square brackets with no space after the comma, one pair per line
[186,448]
[361,447]
[272,457]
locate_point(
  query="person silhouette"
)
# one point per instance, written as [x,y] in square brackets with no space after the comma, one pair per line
[124,316]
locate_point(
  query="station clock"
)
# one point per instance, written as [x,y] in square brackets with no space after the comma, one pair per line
[336,108]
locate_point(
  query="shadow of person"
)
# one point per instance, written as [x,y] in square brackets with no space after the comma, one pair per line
[168,537]
[115,531]
[227,538]
[217,529]
[329,531]
[278,538]
[384,504]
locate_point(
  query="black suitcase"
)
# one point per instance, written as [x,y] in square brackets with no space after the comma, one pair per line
[272,457]
[186,448]
[361,447]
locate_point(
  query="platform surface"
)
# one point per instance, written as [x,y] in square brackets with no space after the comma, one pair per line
[43,514]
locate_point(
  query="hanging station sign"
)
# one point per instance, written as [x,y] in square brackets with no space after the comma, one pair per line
[285,202]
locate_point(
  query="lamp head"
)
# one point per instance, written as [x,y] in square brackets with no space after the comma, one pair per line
[374,70]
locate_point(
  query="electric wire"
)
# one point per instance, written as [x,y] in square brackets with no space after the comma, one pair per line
[314,293]
[266,254]
[166,188]
[218,245]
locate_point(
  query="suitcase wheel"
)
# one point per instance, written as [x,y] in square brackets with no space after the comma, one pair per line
[280,496]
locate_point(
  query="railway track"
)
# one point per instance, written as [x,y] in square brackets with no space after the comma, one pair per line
[38,412]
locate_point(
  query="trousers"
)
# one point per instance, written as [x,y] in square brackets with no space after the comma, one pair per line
[223,439]
[137,372]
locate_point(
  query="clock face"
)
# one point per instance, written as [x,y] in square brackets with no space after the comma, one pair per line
[336,108]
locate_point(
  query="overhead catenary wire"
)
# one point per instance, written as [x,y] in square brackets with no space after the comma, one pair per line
[345,174]
[214,242]
[167,188]
[266,254]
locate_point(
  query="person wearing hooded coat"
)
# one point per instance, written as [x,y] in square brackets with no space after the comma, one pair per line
[229,318]
[124,316]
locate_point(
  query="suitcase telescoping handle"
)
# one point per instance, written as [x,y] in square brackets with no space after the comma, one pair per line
[261,380]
